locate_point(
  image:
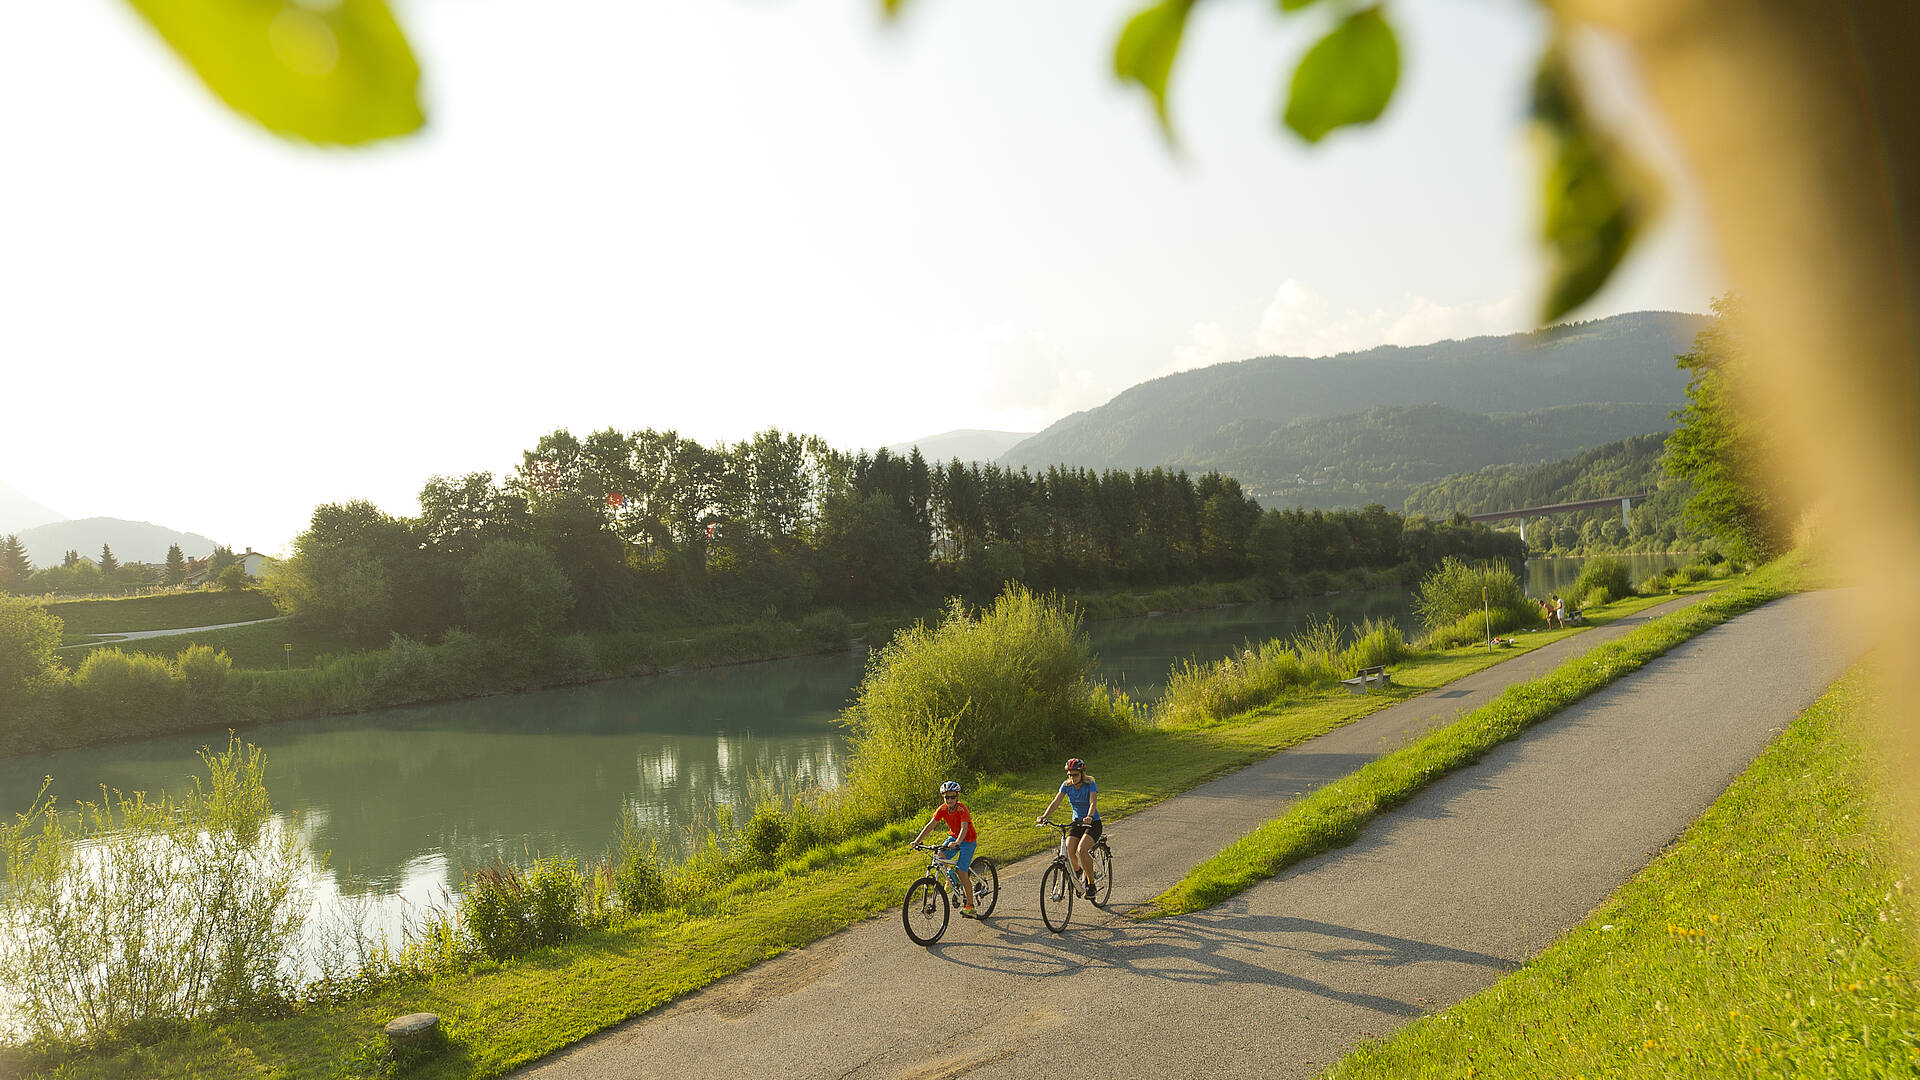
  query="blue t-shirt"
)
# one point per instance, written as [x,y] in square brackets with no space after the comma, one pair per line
[1080,798]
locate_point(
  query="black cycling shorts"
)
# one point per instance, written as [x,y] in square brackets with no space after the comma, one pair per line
[1081,830]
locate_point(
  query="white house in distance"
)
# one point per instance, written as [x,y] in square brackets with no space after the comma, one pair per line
[251,562]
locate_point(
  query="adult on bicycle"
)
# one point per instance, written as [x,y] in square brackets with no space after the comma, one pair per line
[1083,795]
[954,814]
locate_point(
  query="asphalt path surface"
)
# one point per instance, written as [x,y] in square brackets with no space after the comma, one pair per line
[1436,901]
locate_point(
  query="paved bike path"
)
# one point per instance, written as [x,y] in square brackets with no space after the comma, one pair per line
[116,636]
[1436,901]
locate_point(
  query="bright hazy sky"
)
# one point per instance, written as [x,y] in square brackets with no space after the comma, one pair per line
[717,217]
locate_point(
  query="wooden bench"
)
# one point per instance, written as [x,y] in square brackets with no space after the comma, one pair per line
[1367,679]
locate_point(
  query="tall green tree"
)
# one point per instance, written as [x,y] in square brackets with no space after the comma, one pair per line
[221,558]
[1720,446]
[15,566]
[176,565]
[108,564]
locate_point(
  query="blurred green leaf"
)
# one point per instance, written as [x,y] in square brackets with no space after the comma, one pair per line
[1595,199]
[1347,78]
[339,73]
[1296,5]
[893,8]
[1146,50]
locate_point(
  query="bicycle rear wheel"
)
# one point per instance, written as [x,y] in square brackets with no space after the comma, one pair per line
[1056,897]
[1102,859]
[925,911]
[986,886]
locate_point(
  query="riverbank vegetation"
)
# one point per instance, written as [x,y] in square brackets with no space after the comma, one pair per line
[1460,603]
[124,919]
[658,916]
[1775,938]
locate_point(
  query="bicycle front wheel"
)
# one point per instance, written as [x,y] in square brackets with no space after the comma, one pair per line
[1102,860]
[925,911]
[986,886]
[1056,897]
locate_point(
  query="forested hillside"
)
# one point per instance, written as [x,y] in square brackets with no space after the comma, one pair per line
[1172,420]
[1382,454]
[1628,467]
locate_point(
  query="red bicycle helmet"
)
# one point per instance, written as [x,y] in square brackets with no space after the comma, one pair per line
[1074,764]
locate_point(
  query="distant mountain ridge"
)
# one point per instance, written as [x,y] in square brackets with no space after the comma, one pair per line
[967,444]
[1184,419]
[132,541]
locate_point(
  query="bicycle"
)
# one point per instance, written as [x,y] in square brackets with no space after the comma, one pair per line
[1059,885]
[925,911]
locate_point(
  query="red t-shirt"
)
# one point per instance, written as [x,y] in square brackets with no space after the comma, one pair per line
[959,822]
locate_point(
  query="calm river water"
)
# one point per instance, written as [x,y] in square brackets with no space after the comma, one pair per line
[401,800]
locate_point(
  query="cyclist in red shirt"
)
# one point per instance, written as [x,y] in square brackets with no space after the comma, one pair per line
[953,813]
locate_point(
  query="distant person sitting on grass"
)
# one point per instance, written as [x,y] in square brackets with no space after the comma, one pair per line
[953,813]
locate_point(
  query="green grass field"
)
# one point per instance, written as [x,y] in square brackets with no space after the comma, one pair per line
[1776,938]
[84,619]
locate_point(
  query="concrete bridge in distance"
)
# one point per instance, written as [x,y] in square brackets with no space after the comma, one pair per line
[1626,503]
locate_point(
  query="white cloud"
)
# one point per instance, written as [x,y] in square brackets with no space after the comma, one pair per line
[1425,321]
[1298,321]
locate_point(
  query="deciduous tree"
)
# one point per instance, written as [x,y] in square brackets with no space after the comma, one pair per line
[1720,447]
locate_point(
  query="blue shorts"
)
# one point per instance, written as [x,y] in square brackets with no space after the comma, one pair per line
[962,854]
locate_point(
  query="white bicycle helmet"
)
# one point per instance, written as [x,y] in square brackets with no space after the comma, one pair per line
[951,785]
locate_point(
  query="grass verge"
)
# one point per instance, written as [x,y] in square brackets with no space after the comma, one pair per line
[1775,938]
[1336,814]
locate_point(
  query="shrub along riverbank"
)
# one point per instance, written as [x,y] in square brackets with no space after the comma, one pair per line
[1775,938]
[642,930]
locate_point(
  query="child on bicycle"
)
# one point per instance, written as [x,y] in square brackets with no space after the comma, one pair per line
[1083,795]
[961,844]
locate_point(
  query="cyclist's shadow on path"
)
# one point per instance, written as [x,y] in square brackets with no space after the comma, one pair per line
[1207,950]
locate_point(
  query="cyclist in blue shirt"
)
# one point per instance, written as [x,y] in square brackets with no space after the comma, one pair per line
[1083,795]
